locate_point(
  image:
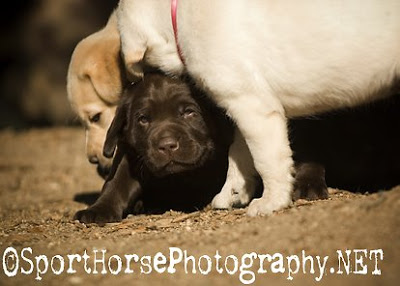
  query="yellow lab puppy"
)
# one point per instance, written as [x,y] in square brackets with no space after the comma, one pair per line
[94,84]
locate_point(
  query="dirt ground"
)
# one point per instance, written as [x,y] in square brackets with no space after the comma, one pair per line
[42,171]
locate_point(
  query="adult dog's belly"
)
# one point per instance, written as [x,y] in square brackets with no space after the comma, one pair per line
[298,105]
[312,58]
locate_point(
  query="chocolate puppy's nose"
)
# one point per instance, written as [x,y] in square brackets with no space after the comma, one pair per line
[168,145]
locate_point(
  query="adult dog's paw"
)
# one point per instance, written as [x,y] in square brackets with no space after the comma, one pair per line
[222,201]
[99,215]
[234,197]
[263,206]
[260,207]
[237,192]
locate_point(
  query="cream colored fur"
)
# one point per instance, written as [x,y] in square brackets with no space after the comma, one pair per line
[266,60]
[94,86]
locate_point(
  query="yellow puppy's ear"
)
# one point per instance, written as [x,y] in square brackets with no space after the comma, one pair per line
[106,69]
[107,75]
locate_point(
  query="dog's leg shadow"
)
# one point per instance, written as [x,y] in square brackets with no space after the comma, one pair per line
[88,198]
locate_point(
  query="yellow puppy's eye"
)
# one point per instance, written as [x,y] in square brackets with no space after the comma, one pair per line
[95,118]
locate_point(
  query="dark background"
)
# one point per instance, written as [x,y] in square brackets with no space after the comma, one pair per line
[37,40]
[359,147]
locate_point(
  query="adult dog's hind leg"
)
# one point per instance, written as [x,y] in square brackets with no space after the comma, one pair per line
[240,182]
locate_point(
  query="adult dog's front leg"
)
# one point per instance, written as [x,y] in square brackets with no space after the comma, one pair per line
[240,182]
[262,122]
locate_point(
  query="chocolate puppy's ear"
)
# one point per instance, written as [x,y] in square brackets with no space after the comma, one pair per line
[115,130]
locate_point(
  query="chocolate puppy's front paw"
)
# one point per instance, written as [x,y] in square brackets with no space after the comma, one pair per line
[99,215]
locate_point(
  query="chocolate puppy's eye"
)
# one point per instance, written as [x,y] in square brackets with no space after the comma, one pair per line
[188,112]
[95,118]
[143,120]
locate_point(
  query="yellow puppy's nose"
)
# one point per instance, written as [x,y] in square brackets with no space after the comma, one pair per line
[93,159]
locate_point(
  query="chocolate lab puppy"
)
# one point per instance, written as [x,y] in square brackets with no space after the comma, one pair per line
[171,151]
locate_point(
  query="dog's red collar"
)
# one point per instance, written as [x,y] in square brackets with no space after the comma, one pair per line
[174,7]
